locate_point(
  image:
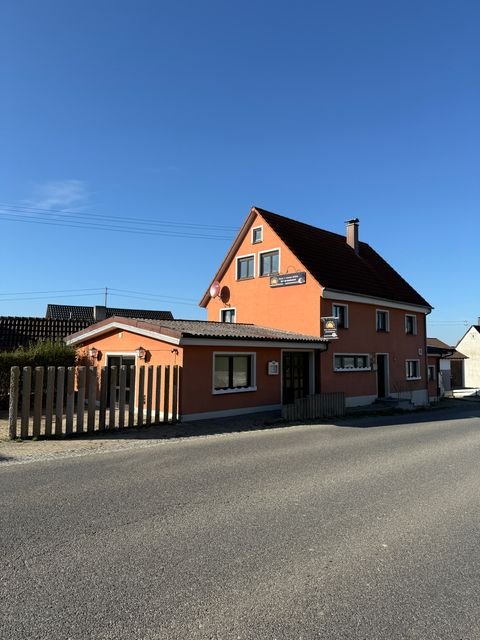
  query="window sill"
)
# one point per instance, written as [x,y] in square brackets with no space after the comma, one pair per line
[410,379]
[220,392]
[248,278]
[348,370]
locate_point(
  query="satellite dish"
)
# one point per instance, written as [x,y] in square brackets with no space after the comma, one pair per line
[215,289]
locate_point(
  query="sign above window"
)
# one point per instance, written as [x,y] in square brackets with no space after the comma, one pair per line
[288,279]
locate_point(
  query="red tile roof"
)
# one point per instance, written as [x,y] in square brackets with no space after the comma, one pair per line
[335,265]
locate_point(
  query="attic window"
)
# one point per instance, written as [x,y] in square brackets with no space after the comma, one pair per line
[257,235]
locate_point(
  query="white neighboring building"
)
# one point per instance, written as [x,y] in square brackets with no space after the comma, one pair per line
[470,346]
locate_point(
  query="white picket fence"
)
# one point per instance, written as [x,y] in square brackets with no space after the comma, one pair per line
[59,401]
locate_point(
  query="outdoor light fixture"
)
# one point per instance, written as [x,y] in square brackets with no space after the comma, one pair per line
[140,352]
[93,352]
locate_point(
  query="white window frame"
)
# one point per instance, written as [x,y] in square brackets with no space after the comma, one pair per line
[260,253]
[220,313]
[387,321]
[253,372]
[247,255]
[419,377]
[253,234]
[345,306]
[414,332]
[353,355]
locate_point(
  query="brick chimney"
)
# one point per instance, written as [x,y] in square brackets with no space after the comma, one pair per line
[99,313]
[352,233]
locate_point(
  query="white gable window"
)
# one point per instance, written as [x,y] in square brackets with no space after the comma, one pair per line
[269,262]
[227,315]
[257,235]
[245,267]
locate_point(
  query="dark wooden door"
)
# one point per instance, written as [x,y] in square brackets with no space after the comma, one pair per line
[296,375]
[382,390]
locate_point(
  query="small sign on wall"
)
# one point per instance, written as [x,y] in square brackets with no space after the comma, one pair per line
[330,327]
[273,368]
[288,279]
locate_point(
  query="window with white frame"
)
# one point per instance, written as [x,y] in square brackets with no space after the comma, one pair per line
[269,263]
[257,235]
[233,372]
[413,369]
[245,267]
[340,311]
[351,362]
[383,320]
[411,325]
[227,315]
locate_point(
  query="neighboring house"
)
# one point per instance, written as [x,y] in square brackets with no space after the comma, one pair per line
[60,321]
[227,369]
[17,331]
[470,346]
[289,275]
[445,368]
[97,313]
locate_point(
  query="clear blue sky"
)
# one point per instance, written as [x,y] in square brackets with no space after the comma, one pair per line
[188,113]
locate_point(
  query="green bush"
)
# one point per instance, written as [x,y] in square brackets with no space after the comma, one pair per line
[41,354]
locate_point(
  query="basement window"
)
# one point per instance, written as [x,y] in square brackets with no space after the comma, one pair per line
[351,362]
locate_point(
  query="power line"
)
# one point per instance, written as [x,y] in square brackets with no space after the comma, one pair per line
[126,219]
[53,221]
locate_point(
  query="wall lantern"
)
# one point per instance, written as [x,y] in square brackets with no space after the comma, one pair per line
[140,352]
[93,352]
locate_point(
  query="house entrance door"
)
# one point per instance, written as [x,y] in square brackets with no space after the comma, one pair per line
[296,375]
[382,375]
[118,361]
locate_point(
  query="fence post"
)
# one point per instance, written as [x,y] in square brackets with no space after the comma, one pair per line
[131,398]
[166,394]
[59,403]
[122,383]
[141,391]
[37,401]
[26,389]
[81,382]
[113,399]
[70,400]
[158,388]
[149,394]
[92,397]
[13,403]
[174,393]
[103,398]
[49,400]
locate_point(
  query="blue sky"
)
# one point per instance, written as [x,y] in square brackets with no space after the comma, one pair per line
[179,116]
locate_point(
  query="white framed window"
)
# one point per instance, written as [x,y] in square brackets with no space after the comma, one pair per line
[410,325]
[351,362]
[340,311]
[412,368]
[257,235]
[269,262]
[227,315]
[382,320]
[246,267]
[233,372]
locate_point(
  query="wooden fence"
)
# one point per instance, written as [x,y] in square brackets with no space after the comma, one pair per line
[61,401]
[321,405]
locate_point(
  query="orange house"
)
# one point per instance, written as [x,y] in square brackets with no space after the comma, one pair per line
[288,275]
[226,369]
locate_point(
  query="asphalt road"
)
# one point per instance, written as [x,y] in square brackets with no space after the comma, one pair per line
[307,532]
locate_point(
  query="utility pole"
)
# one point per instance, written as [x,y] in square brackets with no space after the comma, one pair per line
[106,294]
